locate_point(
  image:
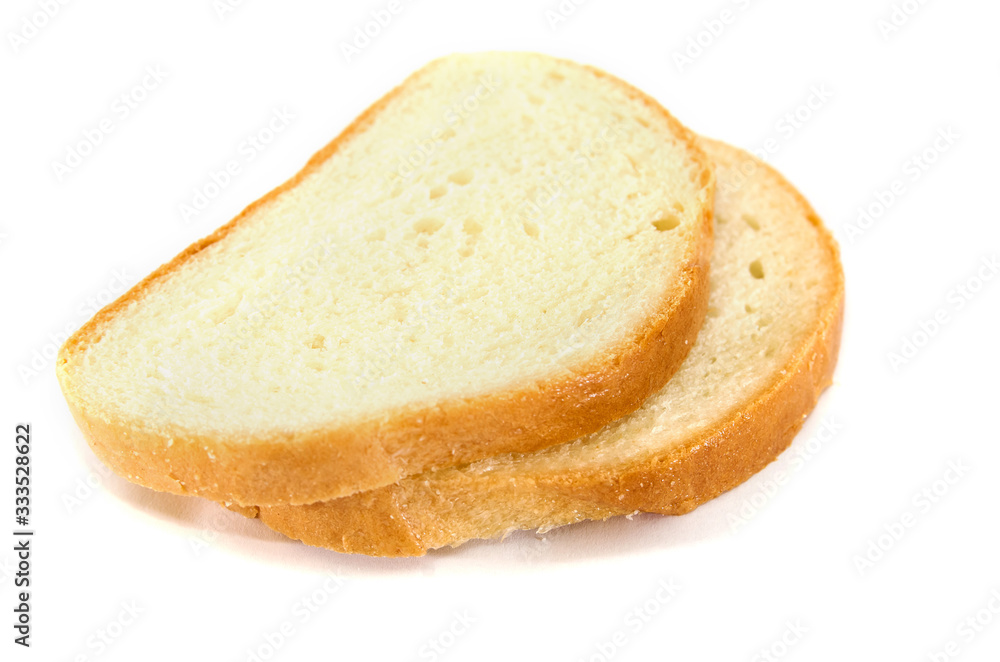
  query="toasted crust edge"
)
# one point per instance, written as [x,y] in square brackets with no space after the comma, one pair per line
[674,482]
[302,467]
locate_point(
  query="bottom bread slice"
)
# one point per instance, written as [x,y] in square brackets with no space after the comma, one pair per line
[764,355]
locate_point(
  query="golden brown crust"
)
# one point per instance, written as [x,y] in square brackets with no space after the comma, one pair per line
[371,523]
[308,466]
[437,511]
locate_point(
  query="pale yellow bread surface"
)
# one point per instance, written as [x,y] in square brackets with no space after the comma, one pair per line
[766,351]
[489,260]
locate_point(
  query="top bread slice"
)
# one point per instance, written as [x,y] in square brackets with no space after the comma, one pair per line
[506,252]
[767,350]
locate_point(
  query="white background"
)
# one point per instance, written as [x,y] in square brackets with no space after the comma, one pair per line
[210,585]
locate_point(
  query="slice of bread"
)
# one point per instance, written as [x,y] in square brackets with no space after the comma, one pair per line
[506,252]
[766,352]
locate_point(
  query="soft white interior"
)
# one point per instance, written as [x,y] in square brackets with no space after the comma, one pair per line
[539,220]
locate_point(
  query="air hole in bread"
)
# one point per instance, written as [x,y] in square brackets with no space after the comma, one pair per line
[437,192]
[376,235]
[531,228]
[461,177]
[632,162]
[470,226]
[428,225]
[756,269]
[751,221]
[667,222]
[318,342]
[587,315]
